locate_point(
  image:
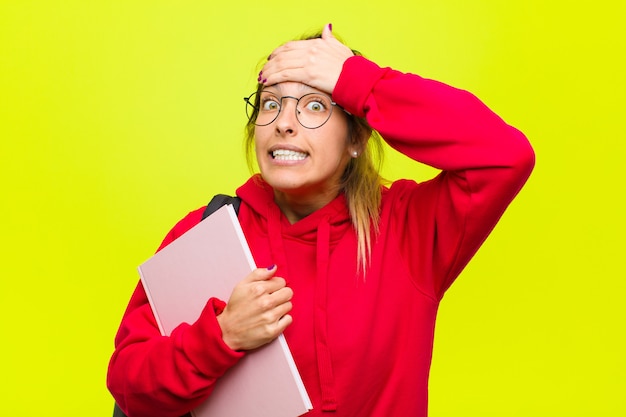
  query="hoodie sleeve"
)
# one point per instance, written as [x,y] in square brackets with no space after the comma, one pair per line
[150,374]
[484,163]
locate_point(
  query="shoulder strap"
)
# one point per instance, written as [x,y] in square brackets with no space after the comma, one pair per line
[220,200]
[117,412]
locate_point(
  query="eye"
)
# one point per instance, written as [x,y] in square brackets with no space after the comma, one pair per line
[269,104]
[316,104]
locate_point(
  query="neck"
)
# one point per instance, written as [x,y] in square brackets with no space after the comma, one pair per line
[297,207]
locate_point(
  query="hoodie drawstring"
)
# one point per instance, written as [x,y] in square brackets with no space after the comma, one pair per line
[274,232]
[324,363]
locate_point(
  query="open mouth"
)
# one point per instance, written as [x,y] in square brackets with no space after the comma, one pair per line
[287,155]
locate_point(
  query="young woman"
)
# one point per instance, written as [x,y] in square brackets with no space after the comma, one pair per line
[352,271]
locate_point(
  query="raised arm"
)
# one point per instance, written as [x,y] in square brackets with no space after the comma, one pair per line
[484,163]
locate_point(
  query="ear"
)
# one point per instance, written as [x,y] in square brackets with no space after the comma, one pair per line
[358,135]
[357,148]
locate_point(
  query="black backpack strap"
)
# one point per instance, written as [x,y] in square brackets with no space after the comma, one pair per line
[220,200]
[117,412]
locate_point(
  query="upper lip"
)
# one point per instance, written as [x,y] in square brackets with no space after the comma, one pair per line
[285,147]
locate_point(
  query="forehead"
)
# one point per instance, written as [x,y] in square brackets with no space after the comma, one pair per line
[291,88]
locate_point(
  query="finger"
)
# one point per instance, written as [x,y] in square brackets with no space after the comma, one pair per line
[291,46]
[287,60]
[327,32]
[284,309]
[261,274]
[259,282]
[282,295]
[273,285]
[275,305]
[291,74]
[272,315]
[283,323]
[276,327]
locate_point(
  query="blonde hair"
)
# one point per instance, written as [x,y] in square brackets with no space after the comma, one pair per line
[361,182]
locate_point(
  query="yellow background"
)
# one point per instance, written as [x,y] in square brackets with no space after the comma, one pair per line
[118,117]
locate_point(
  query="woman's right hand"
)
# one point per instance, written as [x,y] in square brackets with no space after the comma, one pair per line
[257,311]
[314,62]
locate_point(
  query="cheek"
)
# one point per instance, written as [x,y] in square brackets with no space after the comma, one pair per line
[261,158]
[259,141]
[335,154]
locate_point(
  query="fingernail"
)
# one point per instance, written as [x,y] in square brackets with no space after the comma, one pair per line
[264,80]
[269,268]
[330,26]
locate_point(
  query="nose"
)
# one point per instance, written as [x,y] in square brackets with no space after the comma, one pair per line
[286,122]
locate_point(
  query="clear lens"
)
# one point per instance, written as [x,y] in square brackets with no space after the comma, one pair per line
[312,110]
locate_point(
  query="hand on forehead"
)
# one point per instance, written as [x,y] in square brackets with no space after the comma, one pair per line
[314,62]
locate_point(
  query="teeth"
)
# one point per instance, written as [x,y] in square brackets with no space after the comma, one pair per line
[286,155]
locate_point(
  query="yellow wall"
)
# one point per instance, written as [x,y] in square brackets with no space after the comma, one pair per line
[118,117]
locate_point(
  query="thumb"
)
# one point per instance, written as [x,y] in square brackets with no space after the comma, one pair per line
[327,32]
[262,274]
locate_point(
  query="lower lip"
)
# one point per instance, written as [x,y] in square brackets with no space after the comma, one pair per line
[287,162]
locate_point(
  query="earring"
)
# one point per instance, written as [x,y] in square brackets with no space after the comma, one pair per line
[355,154]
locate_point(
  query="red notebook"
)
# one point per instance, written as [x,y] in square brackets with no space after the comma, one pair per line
[205,262]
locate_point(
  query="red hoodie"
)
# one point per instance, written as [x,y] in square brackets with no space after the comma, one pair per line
[363,345]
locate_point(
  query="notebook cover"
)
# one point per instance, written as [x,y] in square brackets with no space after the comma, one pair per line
[205,262]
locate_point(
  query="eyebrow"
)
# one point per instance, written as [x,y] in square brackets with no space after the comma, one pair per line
[304,89]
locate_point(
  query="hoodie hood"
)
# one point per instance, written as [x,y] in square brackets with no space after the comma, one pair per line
[314,237]
[259,196]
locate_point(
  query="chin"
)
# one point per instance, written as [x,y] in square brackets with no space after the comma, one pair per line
[285,186]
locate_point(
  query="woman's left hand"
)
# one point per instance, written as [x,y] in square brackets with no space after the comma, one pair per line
[314,62]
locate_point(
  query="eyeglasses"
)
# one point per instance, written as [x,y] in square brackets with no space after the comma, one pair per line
[312,110]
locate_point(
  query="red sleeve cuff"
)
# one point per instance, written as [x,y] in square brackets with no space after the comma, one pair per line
[203,344]
[356,81]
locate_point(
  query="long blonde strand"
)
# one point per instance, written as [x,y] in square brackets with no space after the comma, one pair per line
[362,186]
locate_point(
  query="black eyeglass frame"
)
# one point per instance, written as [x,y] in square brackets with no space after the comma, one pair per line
[256,105]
